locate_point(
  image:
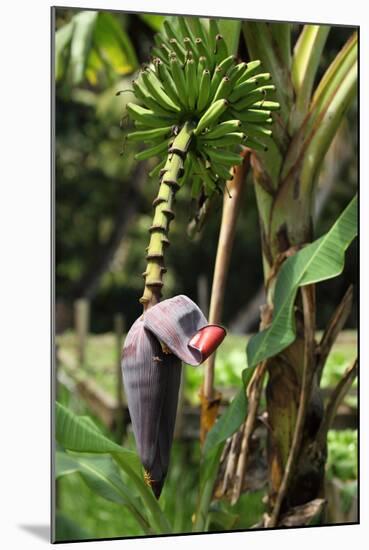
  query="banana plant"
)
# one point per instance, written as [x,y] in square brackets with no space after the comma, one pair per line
[197,108]
[285,178]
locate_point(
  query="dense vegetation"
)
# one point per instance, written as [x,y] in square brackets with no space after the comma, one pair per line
[295,449]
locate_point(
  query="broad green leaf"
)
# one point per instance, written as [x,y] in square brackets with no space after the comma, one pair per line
[63,39]
[66,530]
[93,44]
[318,261]
[84,26]
[113,45]
[64,464]
[89,422]
[231,31]
[154,21]
[99,472]
[95,66]
[231,419]
[81,435]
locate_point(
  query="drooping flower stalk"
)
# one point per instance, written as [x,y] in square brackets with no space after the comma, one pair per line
[198,109]
[163,204]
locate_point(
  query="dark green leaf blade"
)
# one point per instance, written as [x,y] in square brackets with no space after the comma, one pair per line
[154,21]
[64,464]
[113,45]
[320,260]
[81,435]
[63,39]
[99,472]
[84,25]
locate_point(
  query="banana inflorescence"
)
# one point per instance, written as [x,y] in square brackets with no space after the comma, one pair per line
[197,107]
[192,77]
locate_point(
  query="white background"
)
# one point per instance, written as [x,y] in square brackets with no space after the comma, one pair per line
[25,269]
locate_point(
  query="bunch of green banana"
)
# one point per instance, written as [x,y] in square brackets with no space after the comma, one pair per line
[192,78]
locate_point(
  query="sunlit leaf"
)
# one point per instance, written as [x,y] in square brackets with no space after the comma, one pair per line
[154,21]
[113,45]
[64,464]
[93,45]
[84,25]
[320,260]
[94,67]
[63,39]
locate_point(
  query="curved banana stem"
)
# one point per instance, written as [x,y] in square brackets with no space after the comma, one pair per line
[163,214]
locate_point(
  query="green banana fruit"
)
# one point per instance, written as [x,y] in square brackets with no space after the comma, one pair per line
[192,79]
[221,50]
[152,151]
[149,135]
[223,128]
[211,116]
[222,156]
[223,89]
[153,85]
[178,50]
[191,83]
[146,116]
[178,76]
[233,138]
[204,90]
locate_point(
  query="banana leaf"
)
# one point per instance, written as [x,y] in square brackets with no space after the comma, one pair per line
[318,261]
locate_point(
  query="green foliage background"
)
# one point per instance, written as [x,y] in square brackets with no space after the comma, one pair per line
[92,177]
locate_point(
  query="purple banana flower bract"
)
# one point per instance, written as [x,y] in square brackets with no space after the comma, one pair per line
[157,342]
